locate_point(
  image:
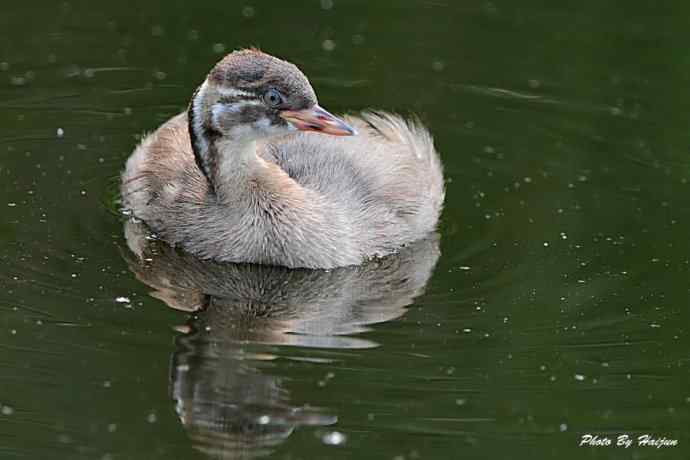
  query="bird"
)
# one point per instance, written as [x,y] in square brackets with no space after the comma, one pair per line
[256,171]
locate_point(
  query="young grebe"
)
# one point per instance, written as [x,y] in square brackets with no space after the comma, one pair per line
[247,174]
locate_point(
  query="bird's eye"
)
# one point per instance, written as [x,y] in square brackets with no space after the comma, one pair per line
[273,98]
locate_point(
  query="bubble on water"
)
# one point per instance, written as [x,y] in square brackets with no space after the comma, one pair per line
[460,402]
[534,83]
[157,31]
[334,438]
[112,427]
[60,132]
[159,75]
[264,420]
[357,39]
[326,4]
[4,66]
[328,45]
[248,11]
[438,65]
[218,48]
[579,377]
[122,299]
[152,417]
[193,35]
[18,80]
[7,410]
[563,427]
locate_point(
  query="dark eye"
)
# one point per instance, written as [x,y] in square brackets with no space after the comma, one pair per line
[273,98]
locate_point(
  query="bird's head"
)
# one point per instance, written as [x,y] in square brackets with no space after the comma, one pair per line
[251,95]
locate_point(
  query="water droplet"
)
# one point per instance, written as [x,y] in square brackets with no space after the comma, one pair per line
[7,410]
[438,65]
[152,418]
[248,11]
[60,132]
[157,31]
[264,420]
[563,427]
[579,377]
[334,438]
[328,45]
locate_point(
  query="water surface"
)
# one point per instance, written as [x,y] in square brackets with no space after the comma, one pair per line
[555,303]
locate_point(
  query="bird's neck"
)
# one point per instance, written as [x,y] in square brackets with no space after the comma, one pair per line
[233,169]
[236,168]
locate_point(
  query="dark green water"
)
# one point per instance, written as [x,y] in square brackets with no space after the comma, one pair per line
[558,306]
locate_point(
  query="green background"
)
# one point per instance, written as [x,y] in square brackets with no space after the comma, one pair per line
[559,305]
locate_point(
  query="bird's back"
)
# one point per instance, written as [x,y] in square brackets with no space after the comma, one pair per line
[388,177]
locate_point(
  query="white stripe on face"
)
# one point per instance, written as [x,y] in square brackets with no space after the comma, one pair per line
[233,92]
[198,125]
[237,106]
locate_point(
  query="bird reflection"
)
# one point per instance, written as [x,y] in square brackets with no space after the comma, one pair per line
[227,398]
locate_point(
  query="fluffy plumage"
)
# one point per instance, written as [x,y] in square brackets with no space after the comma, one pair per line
[298,199]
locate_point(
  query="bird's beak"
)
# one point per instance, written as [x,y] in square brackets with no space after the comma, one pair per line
[318,119]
